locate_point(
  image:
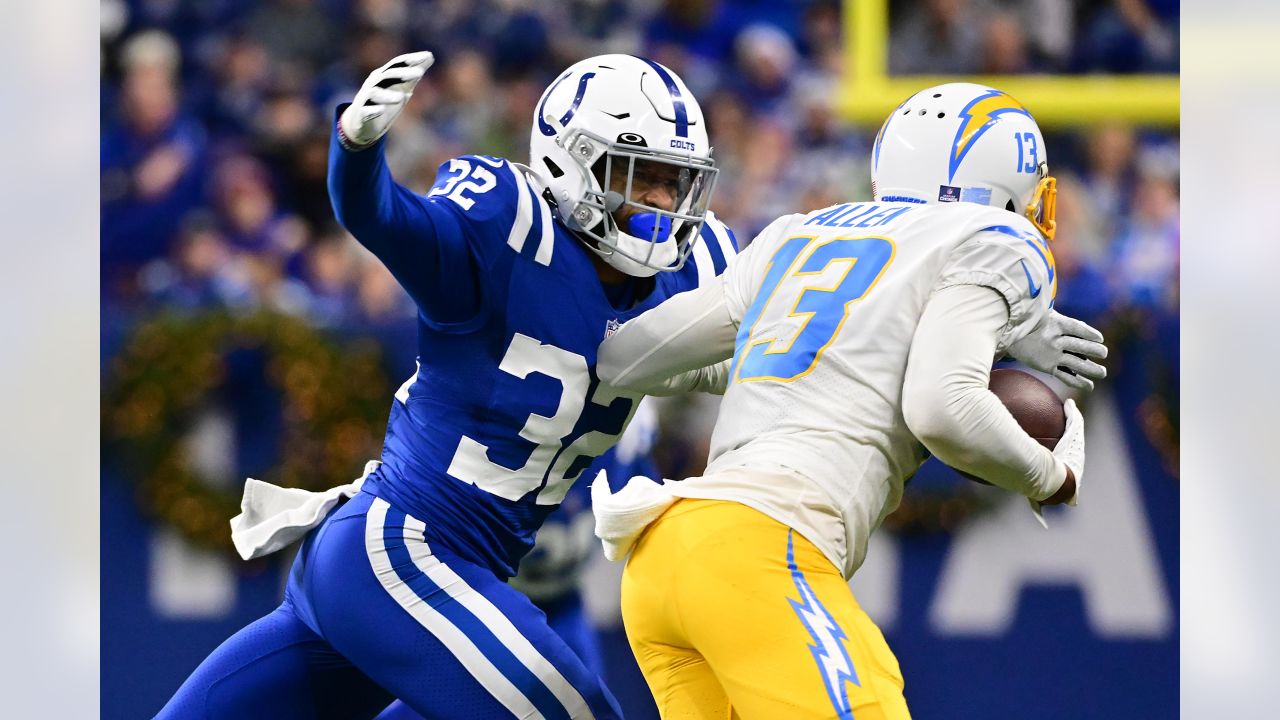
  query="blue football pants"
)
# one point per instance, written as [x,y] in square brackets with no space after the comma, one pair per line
[373,611]
[568,618]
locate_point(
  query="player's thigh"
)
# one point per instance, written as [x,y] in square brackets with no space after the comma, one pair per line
[445,636]
[568,620]
[275,668]
[682,683]
[781,629]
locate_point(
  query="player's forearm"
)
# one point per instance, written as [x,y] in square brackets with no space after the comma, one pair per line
[685,334]
[948,407]
[421,245]
[711,379]
[366,199]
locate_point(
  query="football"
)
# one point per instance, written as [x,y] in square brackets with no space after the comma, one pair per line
[1035,406]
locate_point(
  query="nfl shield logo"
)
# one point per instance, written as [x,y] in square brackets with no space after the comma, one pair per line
[948,193]
[611,327]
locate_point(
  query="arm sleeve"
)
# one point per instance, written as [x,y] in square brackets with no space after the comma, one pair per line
[946,403]
[712,379]
[420,240]
[684,344]
[686,333]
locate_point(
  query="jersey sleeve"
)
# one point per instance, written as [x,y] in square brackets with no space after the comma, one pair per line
[946,404]
[688,331]
[1016,263]
[438,245]
[494,207]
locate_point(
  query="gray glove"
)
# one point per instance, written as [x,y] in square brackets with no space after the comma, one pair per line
[1065,348]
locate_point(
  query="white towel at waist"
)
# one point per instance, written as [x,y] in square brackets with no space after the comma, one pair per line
[622,516]
[272,517]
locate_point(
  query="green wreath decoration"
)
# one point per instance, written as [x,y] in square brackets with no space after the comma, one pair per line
[334,411]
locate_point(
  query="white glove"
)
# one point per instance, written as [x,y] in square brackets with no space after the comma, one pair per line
[1070,452]
[381,99]
[1065,348]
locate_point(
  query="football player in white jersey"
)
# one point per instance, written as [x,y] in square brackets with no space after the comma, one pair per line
[861,336]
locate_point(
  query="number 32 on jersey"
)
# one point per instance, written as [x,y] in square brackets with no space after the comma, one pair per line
[824,280]
[550,469]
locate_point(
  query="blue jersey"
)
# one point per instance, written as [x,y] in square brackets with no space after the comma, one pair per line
[550,574]
[402,590]
[505,411]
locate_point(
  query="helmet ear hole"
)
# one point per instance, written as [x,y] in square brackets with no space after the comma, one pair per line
[1010,206]
[552,167]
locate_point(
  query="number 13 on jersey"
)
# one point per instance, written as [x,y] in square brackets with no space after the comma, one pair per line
[825,278]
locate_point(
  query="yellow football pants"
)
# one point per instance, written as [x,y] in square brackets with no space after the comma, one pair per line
[731,614]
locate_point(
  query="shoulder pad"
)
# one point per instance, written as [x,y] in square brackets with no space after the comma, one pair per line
[1015,261]
[495,204]
[716,245]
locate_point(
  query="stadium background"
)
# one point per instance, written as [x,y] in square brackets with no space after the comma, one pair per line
[229,296]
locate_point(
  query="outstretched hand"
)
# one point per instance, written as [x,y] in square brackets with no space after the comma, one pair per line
[381,99]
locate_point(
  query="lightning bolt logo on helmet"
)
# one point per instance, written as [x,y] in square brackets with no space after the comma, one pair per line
[967,142]
[828,646]
[977,117]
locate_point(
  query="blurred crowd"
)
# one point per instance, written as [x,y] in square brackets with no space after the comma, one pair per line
[1005,37]
[216,117]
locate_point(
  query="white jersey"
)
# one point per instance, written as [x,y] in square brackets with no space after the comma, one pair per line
[811,430]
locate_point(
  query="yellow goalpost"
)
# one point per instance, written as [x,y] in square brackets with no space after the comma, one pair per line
[868,92]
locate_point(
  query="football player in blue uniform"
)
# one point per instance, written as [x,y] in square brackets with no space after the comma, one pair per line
[518,273]
[551,574]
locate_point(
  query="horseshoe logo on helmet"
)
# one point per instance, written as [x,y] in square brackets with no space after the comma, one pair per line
[543,125]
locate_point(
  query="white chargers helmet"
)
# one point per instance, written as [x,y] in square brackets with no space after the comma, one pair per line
[603,120]
[962,142]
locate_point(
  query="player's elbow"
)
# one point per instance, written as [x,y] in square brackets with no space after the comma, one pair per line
[617,366]
[932,415]
[351,208]
[340,202]
[356,204]
[364,220]
[924,411]
[611,366]
[609,372]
